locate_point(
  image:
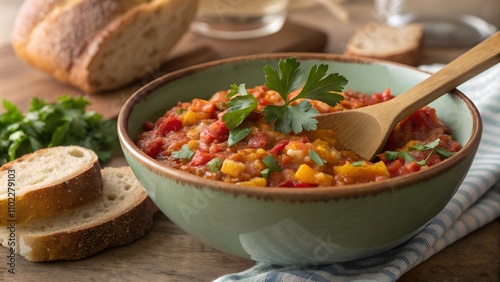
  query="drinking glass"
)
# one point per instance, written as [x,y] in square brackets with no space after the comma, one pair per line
[240,19]
[446,22]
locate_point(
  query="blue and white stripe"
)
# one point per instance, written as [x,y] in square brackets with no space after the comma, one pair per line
[476,203]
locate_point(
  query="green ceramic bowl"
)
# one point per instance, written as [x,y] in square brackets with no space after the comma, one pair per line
[297,226]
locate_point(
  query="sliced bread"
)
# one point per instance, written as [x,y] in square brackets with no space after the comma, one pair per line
[380,41]
[121,215]
[47,182]
[99,45]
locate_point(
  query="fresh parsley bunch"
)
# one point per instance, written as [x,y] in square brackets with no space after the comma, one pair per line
[64,122]
[288,117]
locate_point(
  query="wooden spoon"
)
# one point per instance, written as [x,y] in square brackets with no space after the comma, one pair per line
[365,130]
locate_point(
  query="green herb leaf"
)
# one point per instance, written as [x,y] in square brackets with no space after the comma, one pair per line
[321,88]
[433,144]
[294,118]
[272,166]
[391,155]
[237,134]
[406,156]
[358,163]
[184,153]
[300,117]
[286,79]
[444,153]
[316,158]
[239,107]
[418,147]
[214,165]
[266,173]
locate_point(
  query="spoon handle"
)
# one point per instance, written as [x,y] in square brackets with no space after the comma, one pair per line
[476,60]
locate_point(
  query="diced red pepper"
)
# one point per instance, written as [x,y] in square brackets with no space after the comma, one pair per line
[201,158]
[294,184]
[280,145]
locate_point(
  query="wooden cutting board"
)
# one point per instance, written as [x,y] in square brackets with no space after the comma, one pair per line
[19,82]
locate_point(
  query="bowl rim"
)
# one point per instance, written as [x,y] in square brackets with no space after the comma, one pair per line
[286,193]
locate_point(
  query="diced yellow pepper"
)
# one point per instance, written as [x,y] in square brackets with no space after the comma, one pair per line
[232,168]
[192,117]
[256,181]
[193,144]
[305,174]
[362,173]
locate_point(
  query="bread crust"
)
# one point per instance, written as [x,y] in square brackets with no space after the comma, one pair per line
[77,244]
[66,37]
[405,42]
[84,232]
[50,36]
[75,190]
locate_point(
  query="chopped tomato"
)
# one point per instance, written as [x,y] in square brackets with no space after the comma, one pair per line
[215,131]
[151,146]
[168,124]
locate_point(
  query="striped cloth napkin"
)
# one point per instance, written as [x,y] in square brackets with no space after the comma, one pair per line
[476,203]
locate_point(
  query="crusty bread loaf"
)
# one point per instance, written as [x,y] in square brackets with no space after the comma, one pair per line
[99,45]
[379,41]
[47,182]
[121,215]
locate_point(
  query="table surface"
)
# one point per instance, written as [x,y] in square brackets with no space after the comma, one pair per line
[166,253]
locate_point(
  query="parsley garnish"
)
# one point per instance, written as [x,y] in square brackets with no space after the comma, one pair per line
[240,106]
[214,165]
[287,118]
[319,86]
[237,134]
[358,163]
[271,166]
[432,146]
[63,122]
[316,158]
[184,153]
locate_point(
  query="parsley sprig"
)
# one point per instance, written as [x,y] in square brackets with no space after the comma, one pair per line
[289,117]
[240,106]
[432,146]
[63,122]
[319,86]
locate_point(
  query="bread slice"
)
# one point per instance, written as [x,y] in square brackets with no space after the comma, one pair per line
[121,215]
[379,41]
[99,45]
[47,182]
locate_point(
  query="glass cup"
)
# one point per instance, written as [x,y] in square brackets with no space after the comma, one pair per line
[240,19]
[446,22]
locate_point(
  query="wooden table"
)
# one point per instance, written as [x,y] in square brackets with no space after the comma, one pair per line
[166,253]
